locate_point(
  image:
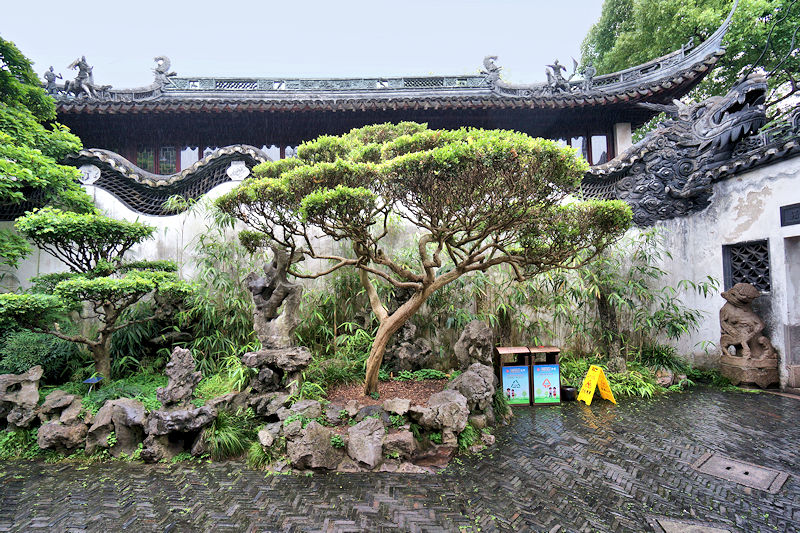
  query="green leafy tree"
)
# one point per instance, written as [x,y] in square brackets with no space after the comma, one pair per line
[631,32]
[479,199]
[99,285]
[30,149]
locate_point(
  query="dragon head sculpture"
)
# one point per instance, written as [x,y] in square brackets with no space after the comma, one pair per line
[666,174]
[720,121]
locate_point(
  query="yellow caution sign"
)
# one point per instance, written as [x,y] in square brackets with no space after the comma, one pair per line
[595,378]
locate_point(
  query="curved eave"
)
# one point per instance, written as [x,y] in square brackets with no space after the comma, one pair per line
[662,90]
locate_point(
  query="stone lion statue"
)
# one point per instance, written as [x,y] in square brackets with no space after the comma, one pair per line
[741,326]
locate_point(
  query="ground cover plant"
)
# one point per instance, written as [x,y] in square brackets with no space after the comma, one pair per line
[479,198]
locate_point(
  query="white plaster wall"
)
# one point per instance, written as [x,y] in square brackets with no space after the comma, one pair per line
[743,208]
[173,234]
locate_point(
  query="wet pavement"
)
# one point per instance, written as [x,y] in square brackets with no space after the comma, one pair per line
[562,468]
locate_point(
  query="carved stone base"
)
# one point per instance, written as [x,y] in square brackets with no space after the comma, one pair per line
[794,376]
[761,372]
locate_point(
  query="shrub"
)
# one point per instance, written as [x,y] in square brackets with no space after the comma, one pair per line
[24,349]
[657,356]
[258,457]
[230,434]
[141,387]
[637,381]
[19,444]
[337,441]
[468,437]
[500,404]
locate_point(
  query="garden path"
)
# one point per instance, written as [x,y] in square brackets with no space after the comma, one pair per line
[567,468]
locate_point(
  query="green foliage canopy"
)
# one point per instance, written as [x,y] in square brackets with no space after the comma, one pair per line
[100,281]
[29,150]
[82,241]
[477,198]
[631,32]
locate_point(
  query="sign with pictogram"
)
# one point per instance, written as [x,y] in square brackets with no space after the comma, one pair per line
[516,385]
[595,378]
[546,384]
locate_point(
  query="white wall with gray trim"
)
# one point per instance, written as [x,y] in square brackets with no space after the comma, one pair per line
[743,208]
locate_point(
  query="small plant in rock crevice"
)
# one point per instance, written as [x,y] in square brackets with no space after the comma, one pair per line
[230,434]
[468,437]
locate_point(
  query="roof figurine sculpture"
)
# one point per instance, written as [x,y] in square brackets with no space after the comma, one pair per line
[556,81]
[50,78]
[83,85]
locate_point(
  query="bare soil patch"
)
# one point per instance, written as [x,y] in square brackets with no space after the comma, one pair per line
[416,391]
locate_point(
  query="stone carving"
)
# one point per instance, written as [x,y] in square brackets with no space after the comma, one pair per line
[83,85]
[475,345]
[182,379]
[588,77]
[492,72]
[161,70]
[19,396]
[755,359]
[556,80]
[668,173]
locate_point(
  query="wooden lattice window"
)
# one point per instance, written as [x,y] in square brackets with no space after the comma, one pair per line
[747,262]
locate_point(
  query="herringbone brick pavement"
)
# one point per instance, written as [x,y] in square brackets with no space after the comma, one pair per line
[567,468]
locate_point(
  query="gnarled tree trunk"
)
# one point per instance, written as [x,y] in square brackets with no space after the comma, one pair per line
[389,325]
[101,353]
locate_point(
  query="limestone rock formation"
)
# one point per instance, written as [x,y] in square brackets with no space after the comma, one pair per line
[398,406]
[366,442]
[60,405]
[313,448]
[61,437]
[445,411]
[755,359]
[409,352]
[271,293]
[276,366]
[306,408]
[126,418]
[267,405]
[172,431]
[63,428]
[182,379]
[475,345]
[19,396]
[401,445]
[477,385]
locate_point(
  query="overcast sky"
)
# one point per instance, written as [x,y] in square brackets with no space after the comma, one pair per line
[298,39]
